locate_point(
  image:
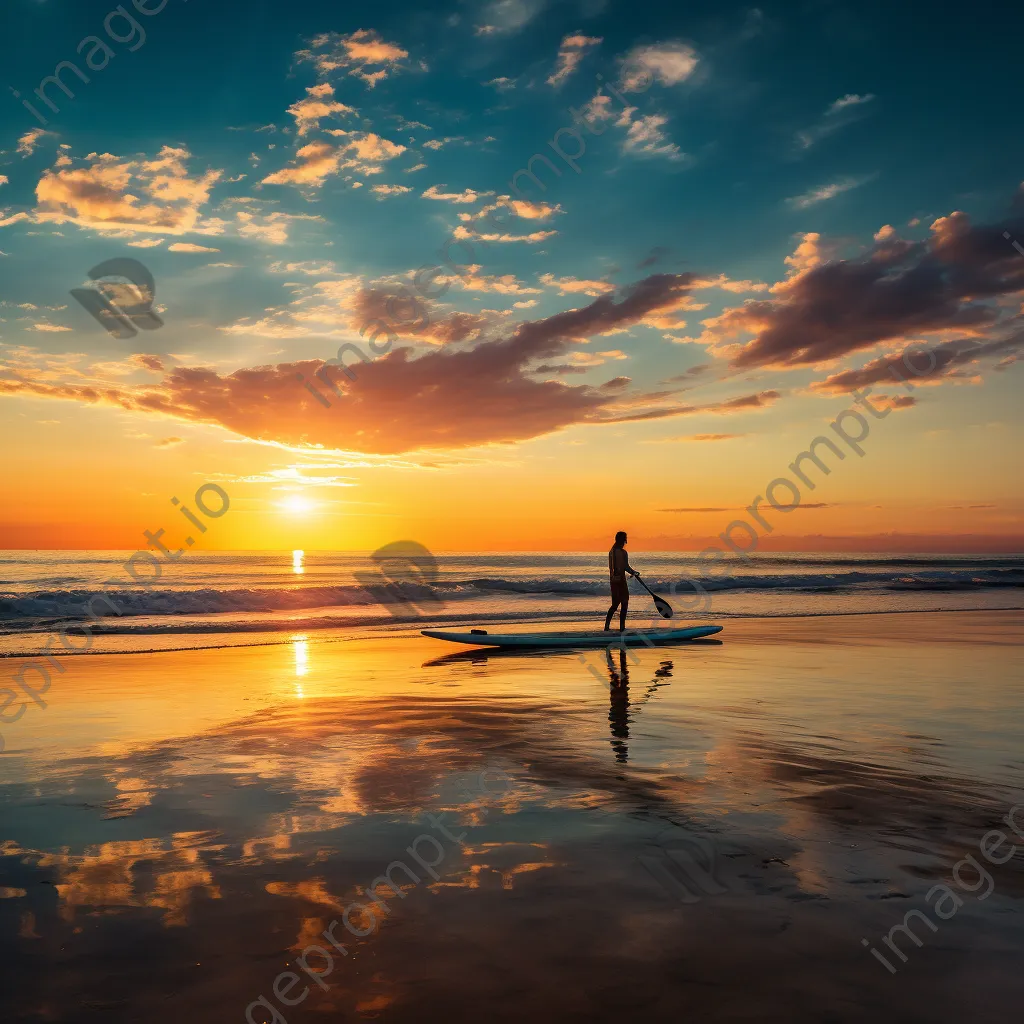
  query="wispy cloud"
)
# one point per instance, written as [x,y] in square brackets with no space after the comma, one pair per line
[570,54]
[384,191]
[670,63]
[28,142]
[840,113]
[825,192]
[466,196]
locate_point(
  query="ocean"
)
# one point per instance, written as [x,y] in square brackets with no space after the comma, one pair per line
[237,598]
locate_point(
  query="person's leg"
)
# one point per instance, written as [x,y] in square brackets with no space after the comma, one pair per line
[622,613]
[611,612]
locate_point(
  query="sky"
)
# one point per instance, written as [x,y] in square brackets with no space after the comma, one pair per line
[741,217]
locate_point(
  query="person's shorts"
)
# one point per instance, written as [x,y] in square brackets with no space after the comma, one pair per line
[620,590]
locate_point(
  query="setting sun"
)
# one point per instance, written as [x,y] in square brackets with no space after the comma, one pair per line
[297,504]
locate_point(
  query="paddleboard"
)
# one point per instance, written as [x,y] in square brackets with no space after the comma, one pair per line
[582,638]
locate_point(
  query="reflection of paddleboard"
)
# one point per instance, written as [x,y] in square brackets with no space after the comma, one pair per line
[582,638]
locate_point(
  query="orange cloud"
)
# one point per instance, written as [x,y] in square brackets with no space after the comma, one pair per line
[103,194]
[318,103]
[359,52]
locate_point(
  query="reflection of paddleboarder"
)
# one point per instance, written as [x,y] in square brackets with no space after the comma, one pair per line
[618,566]
[618,709]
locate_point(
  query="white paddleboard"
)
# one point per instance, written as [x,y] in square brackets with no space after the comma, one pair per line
[581,638]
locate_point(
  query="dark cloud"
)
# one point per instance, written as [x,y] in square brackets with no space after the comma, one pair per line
[897,290]
[147,362]
[689,375]
[561,368]
[658,252]
[926,365]
[760,400]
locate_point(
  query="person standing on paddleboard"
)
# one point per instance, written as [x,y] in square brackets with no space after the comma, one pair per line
[618,566]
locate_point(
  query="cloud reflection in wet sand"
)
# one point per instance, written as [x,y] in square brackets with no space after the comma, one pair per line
[224,853]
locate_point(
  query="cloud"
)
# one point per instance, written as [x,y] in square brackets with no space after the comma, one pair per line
[927,365]
[417,167]
[437,144]
[147,362]
[466,196]
[168,442]
[701,437]
[743,403]
[825,192]
[535,236]
[49,328]
[30,140]
[389,190]
[317,161]
[4,180]
[189,247]
[570,54]
[896,291]
[529,211]
[670,63]
[146,243]
[313,165]
[839,114]
[311,268]
[506,16]
[658,252]
[520,207]
[272,227]
[103,194]
[503,284]
[568,285]
[502,84]
[446,398]
[739,508]
[728,285]
[367,149]
[644,135]
[319,103]
[847,101]
[358,53]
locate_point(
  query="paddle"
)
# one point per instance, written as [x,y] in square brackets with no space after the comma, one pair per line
[664,608]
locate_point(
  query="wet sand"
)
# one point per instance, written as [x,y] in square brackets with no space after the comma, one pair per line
[710,828]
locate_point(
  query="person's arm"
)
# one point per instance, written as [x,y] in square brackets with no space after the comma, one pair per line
[630,569]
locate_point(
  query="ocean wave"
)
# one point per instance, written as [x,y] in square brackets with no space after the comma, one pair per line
[40,607]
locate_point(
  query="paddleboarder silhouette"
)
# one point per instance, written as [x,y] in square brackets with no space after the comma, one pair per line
[618,567]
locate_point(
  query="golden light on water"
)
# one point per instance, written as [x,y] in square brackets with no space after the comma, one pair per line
[298,561]
[300,648]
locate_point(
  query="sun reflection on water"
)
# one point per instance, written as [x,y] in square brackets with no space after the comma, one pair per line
[300,648]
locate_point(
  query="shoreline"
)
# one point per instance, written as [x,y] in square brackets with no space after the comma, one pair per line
[375,631]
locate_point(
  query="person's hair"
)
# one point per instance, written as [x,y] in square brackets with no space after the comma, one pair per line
[620,537]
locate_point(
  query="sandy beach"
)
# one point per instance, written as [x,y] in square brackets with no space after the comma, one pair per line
[714,828]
